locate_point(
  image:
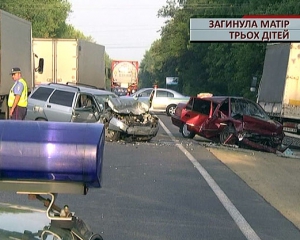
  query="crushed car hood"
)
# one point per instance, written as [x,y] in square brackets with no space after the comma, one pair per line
[266,127]
[127,106]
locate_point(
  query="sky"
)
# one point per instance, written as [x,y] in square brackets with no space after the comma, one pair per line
[126,28]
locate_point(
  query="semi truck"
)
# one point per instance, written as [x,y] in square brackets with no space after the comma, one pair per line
[70,61]
[279,89]
[15,51]
[124,75]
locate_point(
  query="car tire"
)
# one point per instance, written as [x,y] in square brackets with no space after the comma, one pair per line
[96,237]
[225,134]
[41,119]
[111,135]
[186,133]
[170,110]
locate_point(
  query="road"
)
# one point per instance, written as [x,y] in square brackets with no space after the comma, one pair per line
[175,188]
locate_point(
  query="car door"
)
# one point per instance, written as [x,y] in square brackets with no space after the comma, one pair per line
[146,93]
[161,100]
[196,113]
[36,103]
[255,120]
[218,119]
[59,106]
[86,109]
[144,96]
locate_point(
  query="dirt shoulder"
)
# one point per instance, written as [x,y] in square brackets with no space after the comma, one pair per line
[275,178]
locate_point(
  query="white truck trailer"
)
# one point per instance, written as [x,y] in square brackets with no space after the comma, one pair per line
[15,51]
[279,90]
[70,60]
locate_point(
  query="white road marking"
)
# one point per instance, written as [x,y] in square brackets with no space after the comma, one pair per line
[241,222]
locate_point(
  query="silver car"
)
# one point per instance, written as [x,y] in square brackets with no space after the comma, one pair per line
[160,99]
[128,120]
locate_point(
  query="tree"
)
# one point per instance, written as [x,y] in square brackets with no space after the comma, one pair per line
[68,31]
[48,17]
[219,68]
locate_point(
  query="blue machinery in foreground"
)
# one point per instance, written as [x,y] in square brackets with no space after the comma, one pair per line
[47,158]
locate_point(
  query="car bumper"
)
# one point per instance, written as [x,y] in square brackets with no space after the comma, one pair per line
[176,121]
[143,130]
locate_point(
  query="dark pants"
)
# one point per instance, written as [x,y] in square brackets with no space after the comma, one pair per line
[19,113]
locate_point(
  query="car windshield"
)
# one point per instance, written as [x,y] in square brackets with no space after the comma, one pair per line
[248,108]
[104,97]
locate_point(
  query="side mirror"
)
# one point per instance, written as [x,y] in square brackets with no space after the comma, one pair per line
[40,68]
[253,84]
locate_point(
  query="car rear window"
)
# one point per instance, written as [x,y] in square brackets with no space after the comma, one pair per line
[201,106]
[42,93]
[62,98]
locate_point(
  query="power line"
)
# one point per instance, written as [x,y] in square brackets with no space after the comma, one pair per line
[126,47]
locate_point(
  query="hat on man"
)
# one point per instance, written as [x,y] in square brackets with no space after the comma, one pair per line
[15,70]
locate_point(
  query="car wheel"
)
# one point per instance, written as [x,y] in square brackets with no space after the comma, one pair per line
[41,119]
[186,133]
[226,136]
[170,110]
[96,237]
[111,135]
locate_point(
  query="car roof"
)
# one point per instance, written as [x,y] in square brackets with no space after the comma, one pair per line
[219,99]
[165,89]
[170,90]
[74,88]
[95,91]
[16,220]
[71,88]
[143,89]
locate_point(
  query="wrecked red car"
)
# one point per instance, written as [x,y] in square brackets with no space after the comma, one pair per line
[229,120]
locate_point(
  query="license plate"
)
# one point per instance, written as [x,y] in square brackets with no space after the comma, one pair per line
[287,129]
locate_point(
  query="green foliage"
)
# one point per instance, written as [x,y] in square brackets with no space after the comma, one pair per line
[68,31]
[48,17]
[219,68]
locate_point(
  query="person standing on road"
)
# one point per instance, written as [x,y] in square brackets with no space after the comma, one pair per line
[17,99]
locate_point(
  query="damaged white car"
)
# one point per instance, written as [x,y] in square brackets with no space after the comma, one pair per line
[127,119]
[123,119]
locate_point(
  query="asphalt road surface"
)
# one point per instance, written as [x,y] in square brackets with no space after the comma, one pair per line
[174,188]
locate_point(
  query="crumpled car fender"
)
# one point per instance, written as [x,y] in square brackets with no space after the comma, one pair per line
[117,125]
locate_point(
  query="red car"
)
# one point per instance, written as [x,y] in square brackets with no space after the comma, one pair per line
[228,120]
